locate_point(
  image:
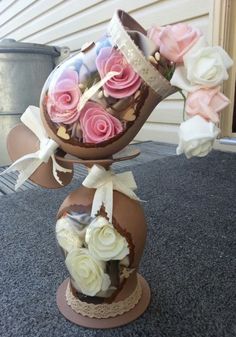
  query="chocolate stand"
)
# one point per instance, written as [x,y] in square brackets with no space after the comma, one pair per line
[126,223]
[131,223]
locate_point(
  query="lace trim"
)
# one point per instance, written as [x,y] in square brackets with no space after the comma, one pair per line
[134,56]
[104,310]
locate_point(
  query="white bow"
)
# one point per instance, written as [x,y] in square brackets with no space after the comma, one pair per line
[105,182]
[27,164]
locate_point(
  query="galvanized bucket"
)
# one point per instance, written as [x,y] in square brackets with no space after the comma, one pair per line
[24,67]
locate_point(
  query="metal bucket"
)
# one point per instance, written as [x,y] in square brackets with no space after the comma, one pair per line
[24,67]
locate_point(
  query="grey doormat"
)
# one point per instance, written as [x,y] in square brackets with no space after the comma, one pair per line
[189,259]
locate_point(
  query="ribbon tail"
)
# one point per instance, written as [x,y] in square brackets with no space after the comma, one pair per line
[127,179]
[26,167]
[125,183]
[21,163]
[120,187]
[108,200]
[27,172]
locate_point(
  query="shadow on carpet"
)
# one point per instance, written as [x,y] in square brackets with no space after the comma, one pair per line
[189,259]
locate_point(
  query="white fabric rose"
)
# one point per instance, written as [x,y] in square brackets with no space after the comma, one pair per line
[88,273]
[204,67]
[68,236]
[196,137]
[104,241]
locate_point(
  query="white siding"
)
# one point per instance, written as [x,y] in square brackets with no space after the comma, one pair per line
[73,22]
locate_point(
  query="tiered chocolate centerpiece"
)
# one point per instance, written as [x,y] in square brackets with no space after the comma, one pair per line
[93,105]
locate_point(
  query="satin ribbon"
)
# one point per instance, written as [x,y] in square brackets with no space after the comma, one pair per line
[28,164]
[91,91]
[105,181]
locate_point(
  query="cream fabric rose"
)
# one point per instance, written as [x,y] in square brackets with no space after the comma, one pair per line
[196,137]
[204,67]
[68,236]
[87,272]
[104,241]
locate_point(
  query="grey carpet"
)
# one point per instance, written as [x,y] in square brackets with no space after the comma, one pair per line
[189,259]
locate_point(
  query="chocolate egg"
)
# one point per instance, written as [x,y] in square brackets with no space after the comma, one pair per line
[94,103]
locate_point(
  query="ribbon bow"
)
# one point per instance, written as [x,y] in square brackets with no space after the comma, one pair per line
[105,182]
[27,164]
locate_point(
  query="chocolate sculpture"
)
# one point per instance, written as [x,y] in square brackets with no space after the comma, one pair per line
[92,106]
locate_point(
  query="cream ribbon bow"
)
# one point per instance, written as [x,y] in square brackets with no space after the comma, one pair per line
[27,164]
[105,181]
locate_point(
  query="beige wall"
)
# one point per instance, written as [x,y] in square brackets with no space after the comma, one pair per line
[73,22]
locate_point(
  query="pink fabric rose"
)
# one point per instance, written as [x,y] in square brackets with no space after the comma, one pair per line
[63,98]
[206,103]
[97,124]
[174,41]
[154,33]
[123,85]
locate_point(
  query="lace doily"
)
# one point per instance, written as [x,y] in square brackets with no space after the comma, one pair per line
[104,310]
[134,56]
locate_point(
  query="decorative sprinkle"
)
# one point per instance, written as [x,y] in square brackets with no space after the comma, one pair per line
[137,94]
[109,110]
[81,86]
[87,46]
[129,115]
[100,94]
[157,56]
[126,272]
[152,59]
[61,132]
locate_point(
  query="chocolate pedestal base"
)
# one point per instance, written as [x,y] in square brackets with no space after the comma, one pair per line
[112,322]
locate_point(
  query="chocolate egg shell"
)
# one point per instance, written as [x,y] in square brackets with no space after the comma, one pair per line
[112,146]
[128,219]
[95,102]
